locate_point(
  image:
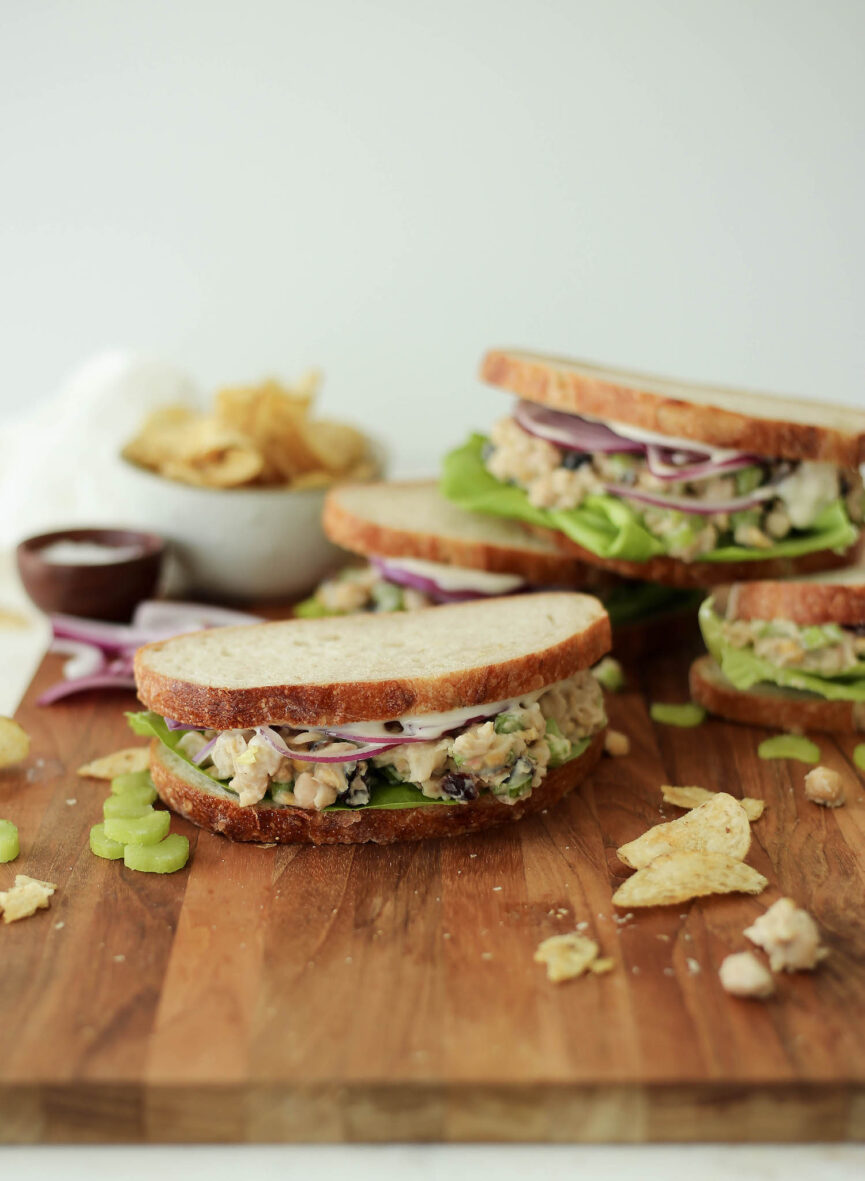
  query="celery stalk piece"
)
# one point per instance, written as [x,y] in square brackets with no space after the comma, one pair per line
[9,844]
[165,857]
[145,794]
[132,783]
[103,846]
[125,808]
[139,830]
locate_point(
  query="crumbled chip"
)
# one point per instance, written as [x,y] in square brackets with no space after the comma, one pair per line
[685,874]
[789,936]
[121,762]
[718,826]
[569,956]
[26,897]
[744,975]
[826,787]
[693,797]
[14,742]
[617,744]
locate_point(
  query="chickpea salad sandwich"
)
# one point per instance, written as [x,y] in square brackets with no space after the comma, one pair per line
[380,728]
[422,551]
[789,654]
[668,481]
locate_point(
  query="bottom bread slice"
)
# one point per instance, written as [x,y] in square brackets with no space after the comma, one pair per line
[770,705]
[188,793]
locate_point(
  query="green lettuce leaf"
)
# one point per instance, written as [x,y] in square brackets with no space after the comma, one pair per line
[744,669]
[612,528]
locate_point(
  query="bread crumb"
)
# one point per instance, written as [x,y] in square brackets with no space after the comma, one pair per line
[824,786]
[789,936]
[744,975]
[617,744]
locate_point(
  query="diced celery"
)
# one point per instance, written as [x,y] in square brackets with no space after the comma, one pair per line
[103,846]
[9,844]
[789,746]
[508,723]
[162,857]
[748,479]
[124,807]
[677,715]
[312,608]
[387,596]
[133,781]
[746,516]
[608,672]
[139,830]
[560,747]
[859,756]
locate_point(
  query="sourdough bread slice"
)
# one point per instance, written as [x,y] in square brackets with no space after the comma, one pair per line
[411,519]
[781,427]
[770,705]
[210,806]
[678,573]
[357,668]
[829,598]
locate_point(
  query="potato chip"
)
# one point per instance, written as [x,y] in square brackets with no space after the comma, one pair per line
[692,797]
[569,956]
[718,826]
[685,874]
[121,762]
[26,897]
[14,742]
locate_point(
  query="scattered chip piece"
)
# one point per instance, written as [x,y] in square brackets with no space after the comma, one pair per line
[121,762]
[744,975]
[14,742]
[685,874]
[693,797]
[26,897]
[569,956]
[717,826]
[789,936]
[826,787]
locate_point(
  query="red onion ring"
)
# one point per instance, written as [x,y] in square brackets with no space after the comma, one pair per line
[82,684]
[690,504]
[570,432]
[702,470]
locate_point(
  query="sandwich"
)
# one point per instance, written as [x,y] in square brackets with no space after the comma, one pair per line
[788,655]
[422,551]
[663,480]
[380,728]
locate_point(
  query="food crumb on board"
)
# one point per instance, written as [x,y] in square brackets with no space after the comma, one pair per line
[571,955]
[742,974]
[825,787]
[24,898]
[693,965]
[789,936]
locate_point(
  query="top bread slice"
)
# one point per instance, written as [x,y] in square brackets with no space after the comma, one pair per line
[411,519]
[827,598]
[356,668]
[765,424]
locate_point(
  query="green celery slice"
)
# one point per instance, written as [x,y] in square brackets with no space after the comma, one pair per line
[139,830]
[166,856]
[686,715]
[125,808]
[103,846]
[9,844]
[789,746]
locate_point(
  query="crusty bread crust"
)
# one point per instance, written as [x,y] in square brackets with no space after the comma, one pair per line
[676,572]
[802,602]
[580,387]
[306,704]
[287,825]
[362,535]
[771,706]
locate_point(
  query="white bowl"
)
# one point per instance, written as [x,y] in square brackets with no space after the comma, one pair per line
[238,543]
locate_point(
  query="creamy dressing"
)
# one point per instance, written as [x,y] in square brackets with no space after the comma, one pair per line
[652,438]
[457,578]
[418,725]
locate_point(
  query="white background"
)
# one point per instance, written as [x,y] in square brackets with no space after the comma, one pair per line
[386,188]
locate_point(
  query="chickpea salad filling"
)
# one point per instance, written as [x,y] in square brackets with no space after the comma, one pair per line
[823,659]
[505,749]
[627,494]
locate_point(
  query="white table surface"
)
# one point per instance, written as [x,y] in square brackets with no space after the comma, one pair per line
[20,651]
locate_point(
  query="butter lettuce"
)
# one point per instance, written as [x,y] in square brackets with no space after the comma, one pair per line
[744,669]
[610,527]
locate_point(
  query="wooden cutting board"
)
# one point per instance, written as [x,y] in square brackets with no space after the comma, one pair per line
[389,993]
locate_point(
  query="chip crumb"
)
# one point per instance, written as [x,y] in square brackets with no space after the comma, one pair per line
[742,974]
[58,926]
[669,972]
[497,889]
[692,797]
[693,966]
[664,938]
[24,898]
[617,744]
[568,956]
[825,786]
[71,802]
[789,936]
[120,762]
[486,955]
[119,959]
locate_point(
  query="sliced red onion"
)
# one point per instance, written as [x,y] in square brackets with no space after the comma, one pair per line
[570,432]
[275,741]
[204,752]
[85,660]
[657,461]
[427,585]
[167,618]
[351,756]
[110,637]
[82,684]
[690,504]
[172,725]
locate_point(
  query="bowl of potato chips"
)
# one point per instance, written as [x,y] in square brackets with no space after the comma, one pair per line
[238,490]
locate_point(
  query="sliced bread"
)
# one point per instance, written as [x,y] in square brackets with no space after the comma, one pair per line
[830,598]
[766,424]
[372,667]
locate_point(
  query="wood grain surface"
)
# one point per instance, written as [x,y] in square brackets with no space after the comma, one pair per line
[389,993]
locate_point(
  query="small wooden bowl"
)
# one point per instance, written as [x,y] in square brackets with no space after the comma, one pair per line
[109,590]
